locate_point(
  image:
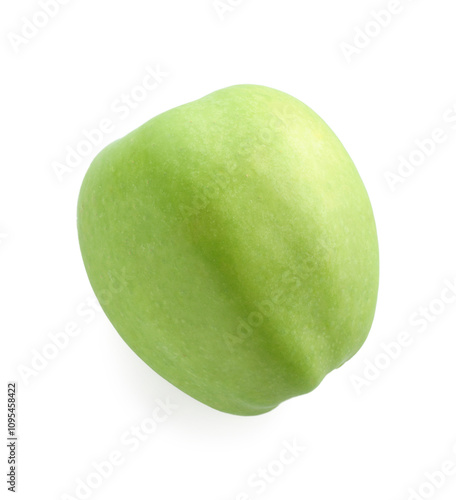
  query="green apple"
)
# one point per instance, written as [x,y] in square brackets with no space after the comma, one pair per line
[232,244]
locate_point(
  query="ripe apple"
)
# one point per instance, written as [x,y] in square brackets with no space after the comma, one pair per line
[232,244]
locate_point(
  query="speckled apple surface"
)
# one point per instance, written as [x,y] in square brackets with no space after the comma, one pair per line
[232,245]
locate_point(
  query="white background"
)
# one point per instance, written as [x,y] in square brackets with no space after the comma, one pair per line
[377,442]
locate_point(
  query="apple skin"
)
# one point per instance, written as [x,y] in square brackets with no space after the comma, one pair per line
[232,244]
